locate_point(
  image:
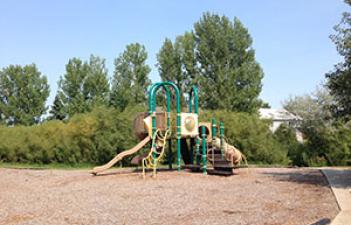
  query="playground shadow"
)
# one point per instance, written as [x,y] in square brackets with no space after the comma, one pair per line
[130,171]
[339,178]
[311,177]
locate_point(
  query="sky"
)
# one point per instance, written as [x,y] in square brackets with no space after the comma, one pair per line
[291,38]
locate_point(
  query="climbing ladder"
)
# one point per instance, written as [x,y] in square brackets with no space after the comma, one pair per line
[156,152]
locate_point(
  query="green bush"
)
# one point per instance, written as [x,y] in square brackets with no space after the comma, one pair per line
[328,145]
[251,135]
[96,137]
[86,138]
[286,136]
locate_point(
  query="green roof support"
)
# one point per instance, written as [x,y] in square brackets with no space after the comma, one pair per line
[194,91]
[221,134]
[152,109]
[204,149]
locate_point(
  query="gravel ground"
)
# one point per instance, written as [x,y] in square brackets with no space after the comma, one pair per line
[254,196]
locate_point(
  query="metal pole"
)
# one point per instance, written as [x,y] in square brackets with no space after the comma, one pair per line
[198,150]
[221,133]
[204,150]
[214,130]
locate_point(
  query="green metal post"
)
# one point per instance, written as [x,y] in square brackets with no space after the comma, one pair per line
[194,92]
[214,129]
[204,149]
[197,150]
[214,134]
[152,112]
[152,96]
[221,134]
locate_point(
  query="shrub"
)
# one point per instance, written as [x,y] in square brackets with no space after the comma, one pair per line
[329,145]
[251,135]
[286,136]
[86,138]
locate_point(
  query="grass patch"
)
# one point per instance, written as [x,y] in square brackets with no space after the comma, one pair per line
[45,166]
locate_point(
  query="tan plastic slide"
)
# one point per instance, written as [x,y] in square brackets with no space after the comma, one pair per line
[120,156]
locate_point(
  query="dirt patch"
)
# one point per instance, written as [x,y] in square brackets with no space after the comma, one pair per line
[255,196]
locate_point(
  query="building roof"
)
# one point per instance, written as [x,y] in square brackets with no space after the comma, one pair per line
[277,114]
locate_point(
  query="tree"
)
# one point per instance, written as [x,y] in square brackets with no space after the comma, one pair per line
[83,86]
[230,76]
[57,110]
[169,64]
[23,93]
[96,86]
[177,62]
[314,107]
[339,80]
[130,80]
[219,58]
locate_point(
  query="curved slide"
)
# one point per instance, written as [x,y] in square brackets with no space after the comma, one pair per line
[120,156]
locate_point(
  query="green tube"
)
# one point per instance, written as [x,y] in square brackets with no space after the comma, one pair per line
[152,105]
[214,129]
[221,134]
[197,151]
[203,131]
[194,92]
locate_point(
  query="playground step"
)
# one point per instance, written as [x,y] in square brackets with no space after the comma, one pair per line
[215,157]
[214,151]
[220,172]
[193,168]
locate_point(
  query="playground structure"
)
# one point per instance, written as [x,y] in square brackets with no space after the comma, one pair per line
[155,128]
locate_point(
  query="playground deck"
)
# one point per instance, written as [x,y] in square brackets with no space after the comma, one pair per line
[256,196]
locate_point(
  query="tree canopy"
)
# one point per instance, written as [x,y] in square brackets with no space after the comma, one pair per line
[315,106]
[23,93]
[84,85]
[339,80]
[218,56]
[130,80]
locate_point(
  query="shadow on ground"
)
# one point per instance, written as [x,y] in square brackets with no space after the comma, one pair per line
[341,178]
[303,176]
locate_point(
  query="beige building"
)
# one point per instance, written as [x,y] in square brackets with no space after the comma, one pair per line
[282,116]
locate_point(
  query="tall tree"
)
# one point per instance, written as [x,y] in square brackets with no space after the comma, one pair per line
[177,62]
[23,93]
[230,76]
[130,80]
[84,85]
[339,80]
[169,63]
[314,107]
[186,46]
[71,87]
[96,86]
[57,111]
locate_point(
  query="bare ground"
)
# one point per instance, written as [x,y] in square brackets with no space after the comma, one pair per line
[255,196]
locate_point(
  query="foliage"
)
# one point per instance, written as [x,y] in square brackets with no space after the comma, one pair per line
[83,86]
[251,135]
[177,62]
[339,80]
[286,136]
[57,111]
[219,58]
[311,107]
[93,137]
[130,79]
[23,93]
[329,145]
[230,76]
